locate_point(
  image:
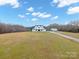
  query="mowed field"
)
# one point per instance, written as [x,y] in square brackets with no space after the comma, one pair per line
[37,45]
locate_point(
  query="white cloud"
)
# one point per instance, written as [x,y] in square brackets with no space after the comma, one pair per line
[62,3]
[41,15]
[38,14]
[13,3]
[66,23]
[27,13]
[44,15]
[34,19]
[30,9]
[35,13]
[21,16]
[73,10]
[55,17]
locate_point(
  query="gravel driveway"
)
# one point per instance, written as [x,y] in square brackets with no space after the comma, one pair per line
[66,36]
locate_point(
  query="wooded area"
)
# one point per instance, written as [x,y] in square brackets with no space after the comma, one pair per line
[72,26]
[7,28]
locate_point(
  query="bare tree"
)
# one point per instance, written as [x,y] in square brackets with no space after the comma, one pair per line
[7,28]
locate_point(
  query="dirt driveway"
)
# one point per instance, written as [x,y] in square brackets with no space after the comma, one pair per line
[66,36]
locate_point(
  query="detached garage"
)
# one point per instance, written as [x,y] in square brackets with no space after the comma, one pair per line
[54,29]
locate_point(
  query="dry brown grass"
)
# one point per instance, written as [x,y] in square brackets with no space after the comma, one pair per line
[37,45]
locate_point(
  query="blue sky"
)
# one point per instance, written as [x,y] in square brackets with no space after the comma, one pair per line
[42,12]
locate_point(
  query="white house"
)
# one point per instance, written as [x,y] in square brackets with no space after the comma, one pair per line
[40,28]
[54,29]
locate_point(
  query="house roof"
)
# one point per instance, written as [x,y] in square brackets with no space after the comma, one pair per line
[39,26]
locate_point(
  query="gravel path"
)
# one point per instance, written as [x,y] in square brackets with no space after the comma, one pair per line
[66,36]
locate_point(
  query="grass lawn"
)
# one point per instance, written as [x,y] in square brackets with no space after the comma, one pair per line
[76,35]
[37,45]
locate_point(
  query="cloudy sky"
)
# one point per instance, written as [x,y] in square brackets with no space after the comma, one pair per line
[42,12]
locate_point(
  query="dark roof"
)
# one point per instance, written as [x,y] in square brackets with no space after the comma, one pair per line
[38,25]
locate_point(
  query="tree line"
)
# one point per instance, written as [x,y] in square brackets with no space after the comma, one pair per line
[8,28]
[72,26]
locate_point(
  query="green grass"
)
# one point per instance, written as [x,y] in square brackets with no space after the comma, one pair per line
[76,35]
[37,45]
